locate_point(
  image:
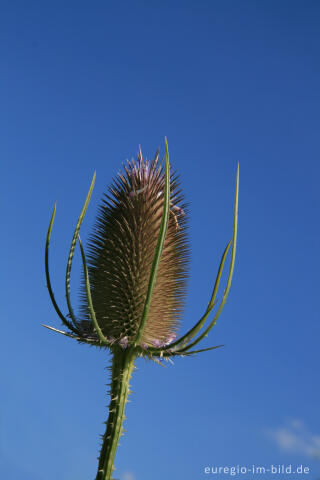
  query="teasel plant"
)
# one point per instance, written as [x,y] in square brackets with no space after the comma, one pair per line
[134,282]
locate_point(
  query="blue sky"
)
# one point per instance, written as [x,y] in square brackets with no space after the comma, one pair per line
[82,85]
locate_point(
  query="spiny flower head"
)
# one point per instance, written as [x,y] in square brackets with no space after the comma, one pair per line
[134,284]
[121,252]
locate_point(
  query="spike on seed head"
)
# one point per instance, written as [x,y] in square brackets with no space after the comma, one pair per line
[121,252]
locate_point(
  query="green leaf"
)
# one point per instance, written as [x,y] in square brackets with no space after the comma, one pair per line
[75,337]
[89,298]
[195,329]
[231,268]
[71,252]
[53,300]
[166,354]
[198,351]
[159,247]
[67,334]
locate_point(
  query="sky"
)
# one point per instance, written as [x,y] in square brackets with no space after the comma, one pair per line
[82,85]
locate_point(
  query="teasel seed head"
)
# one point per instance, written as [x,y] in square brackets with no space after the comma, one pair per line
[134,283]
[121,251]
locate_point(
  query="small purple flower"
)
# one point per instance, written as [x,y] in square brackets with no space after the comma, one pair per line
[159,343]
[179,210]
[133,193]
[123,342]
[171,339]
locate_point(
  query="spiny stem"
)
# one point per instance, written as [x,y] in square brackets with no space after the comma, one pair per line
[122,366]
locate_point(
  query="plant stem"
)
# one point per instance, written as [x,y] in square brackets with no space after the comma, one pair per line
[122,366]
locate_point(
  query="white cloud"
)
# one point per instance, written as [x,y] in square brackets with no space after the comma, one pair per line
[128,476]
[295,438]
